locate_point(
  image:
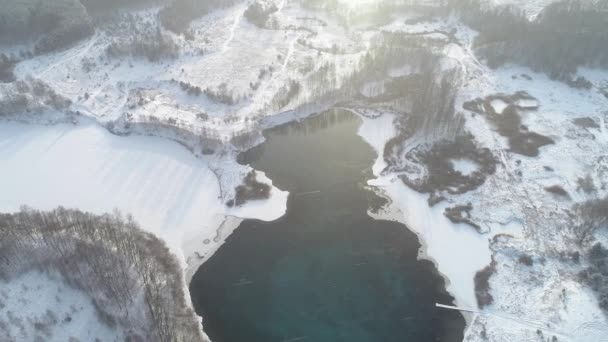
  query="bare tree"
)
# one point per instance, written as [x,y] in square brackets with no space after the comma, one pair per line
[589,217]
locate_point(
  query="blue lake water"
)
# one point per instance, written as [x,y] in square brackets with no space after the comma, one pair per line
[326,271]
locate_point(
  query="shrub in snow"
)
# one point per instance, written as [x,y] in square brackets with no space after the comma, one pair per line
[6,68]
[259,12]
[31,96]
[557,190]
[596,275]
[588,218]
[284,96]
[586,185]
[508,122]
[462,214]
[190,89]
[221,94]
[250,190]
[482,285]
[525,259]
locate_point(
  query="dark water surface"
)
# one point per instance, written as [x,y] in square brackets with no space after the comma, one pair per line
[326,271]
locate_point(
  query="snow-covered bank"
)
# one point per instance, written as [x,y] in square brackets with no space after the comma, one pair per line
[457,250]
[519,217]
[167,190]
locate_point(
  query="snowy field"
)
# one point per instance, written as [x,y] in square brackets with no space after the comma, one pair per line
[168,191]
[39,307]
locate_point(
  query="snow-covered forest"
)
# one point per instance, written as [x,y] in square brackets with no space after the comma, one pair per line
[134,283]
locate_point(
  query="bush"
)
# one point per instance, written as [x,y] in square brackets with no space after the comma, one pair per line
[588,218]
[586,185]
[190,89]
[557,190]
[6,68]
[482,285]
[222,94]
[596,275]
[250,190]
[259,12]
[525,260]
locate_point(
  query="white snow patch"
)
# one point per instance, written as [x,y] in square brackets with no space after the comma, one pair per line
[457,249]
[464,166]
[499,105]
[526,103]
[60,311]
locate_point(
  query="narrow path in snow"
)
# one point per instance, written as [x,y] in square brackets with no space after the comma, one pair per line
[585,329]
[233,28]
[68,58]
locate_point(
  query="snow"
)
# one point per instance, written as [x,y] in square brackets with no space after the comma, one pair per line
[531,7]
[498,105]
[168,191]
[526,104]
[29,297]
[464,166]
[457,250]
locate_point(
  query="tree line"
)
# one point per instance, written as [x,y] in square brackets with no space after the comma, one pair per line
[109,258]
[564,36]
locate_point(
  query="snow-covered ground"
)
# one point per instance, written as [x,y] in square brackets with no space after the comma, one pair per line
[180,197]
[167,190]
[41,307]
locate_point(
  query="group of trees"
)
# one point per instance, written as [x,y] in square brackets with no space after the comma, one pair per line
[259,12]
[221,94]
[133,280]
[195,138]
[177,15]
[596,275]
[7,64]
[587,220]
[425,96]
[565,35]
[54,24]
[286,94]
[29,96]
[440,175]
[153,45]
[508,123]
[190,89]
